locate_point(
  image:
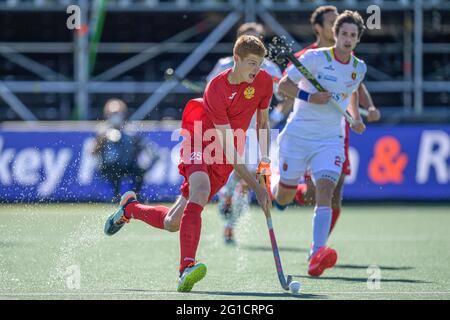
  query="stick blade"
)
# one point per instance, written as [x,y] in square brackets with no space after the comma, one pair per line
[289,279]
[281,57]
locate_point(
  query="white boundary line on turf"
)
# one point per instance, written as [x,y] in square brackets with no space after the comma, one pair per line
[85,294]
[377,292]
[177,293]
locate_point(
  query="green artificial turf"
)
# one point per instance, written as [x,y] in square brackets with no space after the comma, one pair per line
[43,245]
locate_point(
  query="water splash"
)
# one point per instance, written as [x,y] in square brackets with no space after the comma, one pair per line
[244,231]
[88,234]
[277,45]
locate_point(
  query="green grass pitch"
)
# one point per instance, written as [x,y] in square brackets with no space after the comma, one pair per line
[40,244]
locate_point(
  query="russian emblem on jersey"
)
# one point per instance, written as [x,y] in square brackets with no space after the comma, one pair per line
[285,166]
[353,75]
[249,93]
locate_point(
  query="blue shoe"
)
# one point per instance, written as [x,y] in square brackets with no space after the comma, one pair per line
[190,276]
[117,220]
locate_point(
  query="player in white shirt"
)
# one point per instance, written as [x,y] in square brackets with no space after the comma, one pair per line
[313,138]
[322,21]
[234,198]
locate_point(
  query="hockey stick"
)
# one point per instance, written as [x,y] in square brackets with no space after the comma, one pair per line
[170,74]
[309,76]
[273,241]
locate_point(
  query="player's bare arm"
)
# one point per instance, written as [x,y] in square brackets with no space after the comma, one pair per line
[233,157]
[289,88]
[287,104]
[366,101]
[263,131]
[358,125]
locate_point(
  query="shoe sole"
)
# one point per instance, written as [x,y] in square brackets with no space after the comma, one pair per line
[328,261]
[126,196]
[192,278]
[123,200]
[108,225]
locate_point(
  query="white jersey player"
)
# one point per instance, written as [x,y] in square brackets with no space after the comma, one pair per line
[319,125]
[313,138]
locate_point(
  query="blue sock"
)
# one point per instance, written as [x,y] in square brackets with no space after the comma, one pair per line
[279,206]
[321,227]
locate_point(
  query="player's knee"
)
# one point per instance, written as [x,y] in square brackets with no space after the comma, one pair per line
[325,185]
[199,188]
[200,194]
[325,190]
[284,199]
[285,195]
[172,220]
[325,178]
[172,225]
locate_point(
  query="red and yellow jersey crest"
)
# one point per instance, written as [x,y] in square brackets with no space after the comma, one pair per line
[249,93]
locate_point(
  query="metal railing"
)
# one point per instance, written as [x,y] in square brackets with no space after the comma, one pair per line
[82,84]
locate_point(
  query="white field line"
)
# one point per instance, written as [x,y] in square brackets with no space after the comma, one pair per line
[24,294]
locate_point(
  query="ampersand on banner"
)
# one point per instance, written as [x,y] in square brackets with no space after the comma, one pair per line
[388,162]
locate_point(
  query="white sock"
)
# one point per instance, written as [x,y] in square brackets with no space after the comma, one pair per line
[321,227]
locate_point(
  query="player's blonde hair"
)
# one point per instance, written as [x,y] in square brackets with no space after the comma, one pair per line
[247,44]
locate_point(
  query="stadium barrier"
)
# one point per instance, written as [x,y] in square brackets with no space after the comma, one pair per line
[401,162]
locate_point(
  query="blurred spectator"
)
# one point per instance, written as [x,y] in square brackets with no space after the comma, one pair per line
[118,149]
